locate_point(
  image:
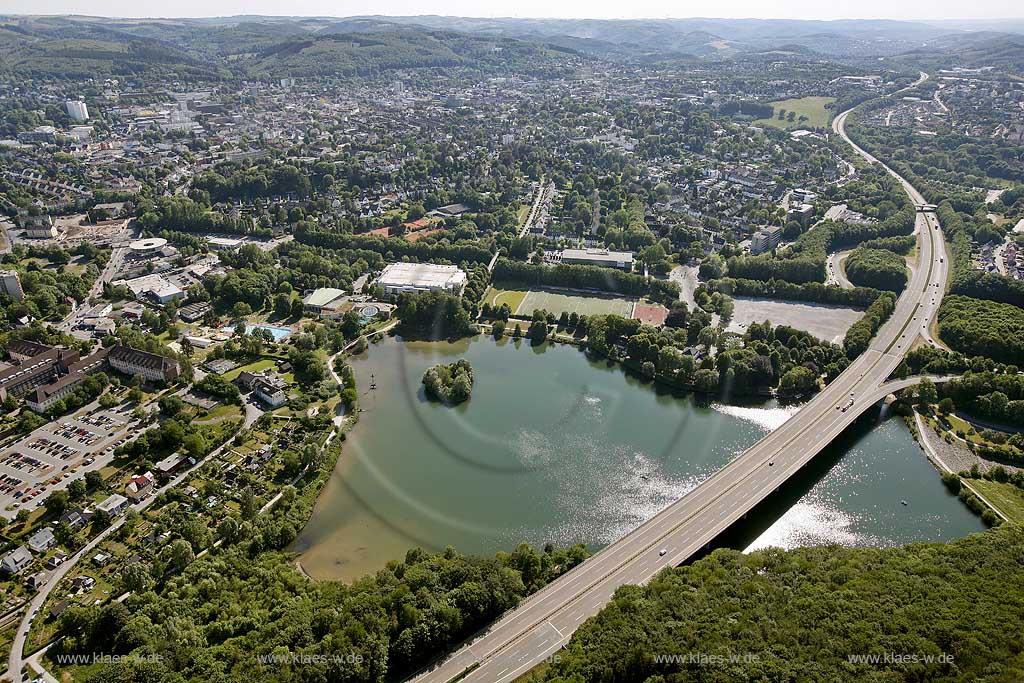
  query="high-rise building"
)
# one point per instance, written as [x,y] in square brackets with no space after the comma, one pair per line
[765,239]
[10,284]
[77,110]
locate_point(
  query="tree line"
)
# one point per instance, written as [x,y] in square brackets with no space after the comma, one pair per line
[396,248]
[858,337]
[585,277]
[998,397]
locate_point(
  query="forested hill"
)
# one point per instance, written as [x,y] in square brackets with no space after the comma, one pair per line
[801,615]
[72,47]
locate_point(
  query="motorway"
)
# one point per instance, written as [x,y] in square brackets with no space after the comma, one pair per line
[543,623]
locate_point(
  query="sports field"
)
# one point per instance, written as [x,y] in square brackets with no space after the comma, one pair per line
[523,303]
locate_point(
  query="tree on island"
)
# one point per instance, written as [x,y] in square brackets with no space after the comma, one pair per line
[451,383]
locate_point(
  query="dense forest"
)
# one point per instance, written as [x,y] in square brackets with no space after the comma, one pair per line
[975,326]
[449,382]
[877,268]
[228,614]
[768,357]
[805,260]
[433,315]
[805,614]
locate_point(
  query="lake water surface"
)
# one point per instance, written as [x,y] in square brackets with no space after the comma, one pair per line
[554,446]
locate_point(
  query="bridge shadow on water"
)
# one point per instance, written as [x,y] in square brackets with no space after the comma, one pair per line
[760,518]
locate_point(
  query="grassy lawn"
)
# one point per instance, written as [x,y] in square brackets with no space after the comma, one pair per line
[257,366]
[523,302]
[811,107]
[524,212]
[219,413]
[512,297]
[1006,497]
[971,433]
[569,303]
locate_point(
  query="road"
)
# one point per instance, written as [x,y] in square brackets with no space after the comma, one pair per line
[836,276]
[113,266]
[15,662]
[543,623]
[686,277]
[925,436]
[545,192]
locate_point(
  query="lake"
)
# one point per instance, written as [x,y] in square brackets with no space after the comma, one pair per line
[556,447]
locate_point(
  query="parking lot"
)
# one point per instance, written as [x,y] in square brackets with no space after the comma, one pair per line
[48,458]
[825,321]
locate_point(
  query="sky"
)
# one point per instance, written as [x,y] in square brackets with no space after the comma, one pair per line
[596,9]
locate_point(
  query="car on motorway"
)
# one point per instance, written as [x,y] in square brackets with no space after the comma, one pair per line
[662,552]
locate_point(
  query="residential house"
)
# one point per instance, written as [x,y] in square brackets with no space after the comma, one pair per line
[42,540]
[114,505]
[16,560]
[140,487]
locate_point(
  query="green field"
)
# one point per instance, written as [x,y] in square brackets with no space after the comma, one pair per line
[1006,497]
[811,107]
[524,302]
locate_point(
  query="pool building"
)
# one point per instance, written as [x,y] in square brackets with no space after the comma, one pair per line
[421,277]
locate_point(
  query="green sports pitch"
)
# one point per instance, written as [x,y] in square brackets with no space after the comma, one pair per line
[555,303]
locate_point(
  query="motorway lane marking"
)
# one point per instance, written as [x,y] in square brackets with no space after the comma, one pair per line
[556,629]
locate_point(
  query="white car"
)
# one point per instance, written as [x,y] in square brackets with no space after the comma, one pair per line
[662,552]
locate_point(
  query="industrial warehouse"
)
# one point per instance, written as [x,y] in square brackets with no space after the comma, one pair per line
[421,277]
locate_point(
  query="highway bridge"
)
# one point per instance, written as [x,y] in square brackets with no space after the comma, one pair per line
[543,623]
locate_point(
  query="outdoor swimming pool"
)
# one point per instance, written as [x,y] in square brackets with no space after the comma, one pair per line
[279,333]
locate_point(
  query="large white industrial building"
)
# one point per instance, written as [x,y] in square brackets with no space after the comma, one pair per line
[421,277]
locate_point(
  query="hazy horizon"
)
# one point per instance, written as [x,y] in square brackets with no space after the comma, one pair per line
[870,10]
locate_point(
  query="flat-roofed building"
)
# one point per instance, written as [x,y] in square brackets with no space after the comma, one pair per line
[156,287]
[598,257]
[765,239]
[223,243]
[10,284]
[194,312]
[421,277]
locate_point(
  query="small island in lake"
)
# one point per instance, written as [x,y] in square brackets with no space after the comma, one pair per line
[452,383]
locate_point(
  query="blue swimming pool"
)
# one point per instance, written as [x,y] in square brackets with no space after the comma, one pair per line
[279,333]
